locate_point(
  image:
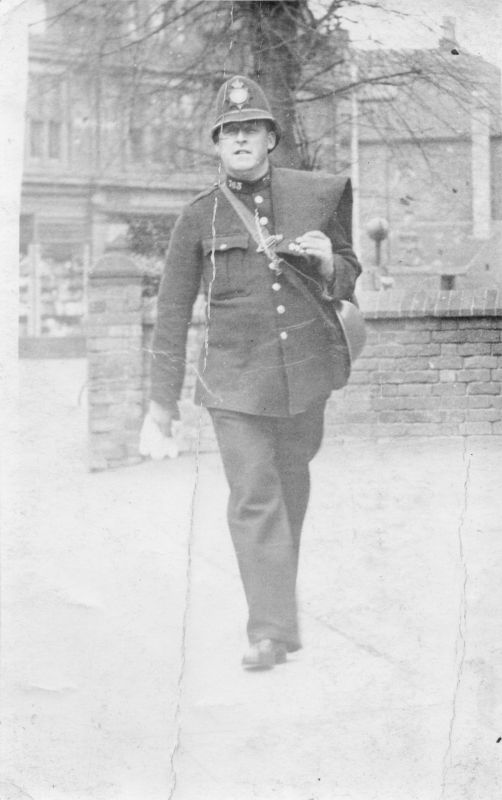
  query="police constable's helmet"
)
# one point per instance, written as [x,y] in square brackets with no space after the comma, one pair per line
[240,100]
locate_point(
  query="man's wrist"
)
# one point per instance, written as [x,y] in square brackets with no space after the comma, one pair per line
[327,268]
[328,282]
[163,410]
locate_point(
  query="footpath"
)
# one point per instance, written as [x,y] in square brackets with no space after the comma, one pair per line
[124,624]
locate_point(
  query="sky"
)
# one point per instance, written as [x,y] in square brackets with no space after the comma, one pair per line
[418,24]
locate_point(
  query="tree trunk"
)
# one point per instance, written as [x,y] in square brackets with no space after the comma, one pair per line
[273,29]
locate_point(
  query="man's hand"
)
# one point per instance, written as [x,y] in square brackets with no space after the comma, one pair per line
[318,245]
[155,439]
[162,417]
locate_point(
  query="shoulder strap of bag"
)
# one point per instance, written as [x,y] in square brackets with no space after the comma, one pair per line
[247,218]
[348,316]
[243,212]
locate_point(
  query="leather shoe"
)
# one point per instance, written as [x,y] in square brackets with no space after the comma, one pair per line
[264,654]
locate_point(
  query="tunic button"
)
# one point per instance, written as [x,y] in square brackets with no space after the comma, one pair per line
[263,220]
[258,199]
[280,309]
[223,246]
[276,287]
[283,335]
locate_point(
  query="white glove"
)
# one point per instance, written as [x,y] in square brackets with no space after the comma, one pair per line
[153,443]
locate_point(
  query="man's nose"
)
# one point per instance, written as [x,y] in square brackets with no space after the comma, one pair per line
[241,135]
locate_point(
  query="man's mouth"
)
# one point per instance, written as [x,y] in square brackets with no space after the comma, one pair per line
[242,152]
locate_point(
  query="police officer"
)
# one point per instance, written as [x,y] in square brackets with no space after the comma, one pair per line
[266,368]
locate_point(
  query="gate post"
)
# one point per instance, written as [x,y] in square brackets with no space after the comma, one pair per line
[115,359]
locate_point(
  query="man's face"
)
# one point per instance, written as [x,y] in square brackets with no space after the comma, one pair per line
[243,148]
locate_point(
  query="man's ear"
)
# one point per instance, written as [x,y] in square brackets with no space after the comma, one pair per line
[271,140]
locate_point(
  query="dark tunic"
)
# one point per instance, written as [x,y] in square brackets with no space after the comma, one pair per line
[266,352]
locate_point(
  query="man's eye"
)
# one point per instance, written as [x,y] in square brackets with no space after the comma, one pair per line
[230,130]
[246,127]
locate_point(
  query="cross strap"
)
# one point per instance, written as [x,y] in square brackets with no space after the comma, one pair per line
[245,214]
[345,317]
[247,218]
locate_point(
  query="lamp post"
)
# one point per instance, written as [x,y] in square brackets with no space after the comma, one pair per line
[354,153]
[378,230]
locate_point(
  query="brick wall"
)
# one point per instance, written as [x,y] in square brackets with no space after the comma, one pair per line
[432,366]
[114,361]
[196,430]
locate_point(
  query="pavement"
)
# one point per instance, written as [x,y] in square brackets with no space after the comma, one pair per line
[124,624]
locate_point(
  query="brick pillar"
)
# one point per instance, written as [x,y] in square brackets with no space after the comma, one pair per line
[115,359]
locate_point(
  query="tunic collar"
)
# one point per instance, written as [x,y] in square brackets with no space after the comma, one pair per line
[249,187]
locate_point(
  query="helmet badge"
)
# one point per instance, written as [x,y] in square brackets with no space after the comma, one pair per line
[239,93]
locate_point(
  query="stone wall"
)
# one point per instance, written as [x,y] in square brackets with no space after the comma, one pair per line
[432,366]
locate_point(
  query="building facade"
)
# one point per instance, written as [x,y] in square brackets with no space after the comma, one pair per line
[116,142]
[109,143]
[429,158]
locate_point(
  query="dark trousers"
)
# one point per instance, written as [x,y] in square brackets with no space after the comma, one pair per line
[266,462]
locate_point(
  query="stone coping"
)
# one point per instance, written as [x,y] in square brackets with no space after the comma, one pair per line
[391,303]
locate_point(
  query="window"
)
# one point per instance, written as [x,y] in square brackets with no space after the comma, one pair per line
[136,144]
[45,109]
[36,138]
[184,148]
[26,232]
[157,144]
[54,131]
